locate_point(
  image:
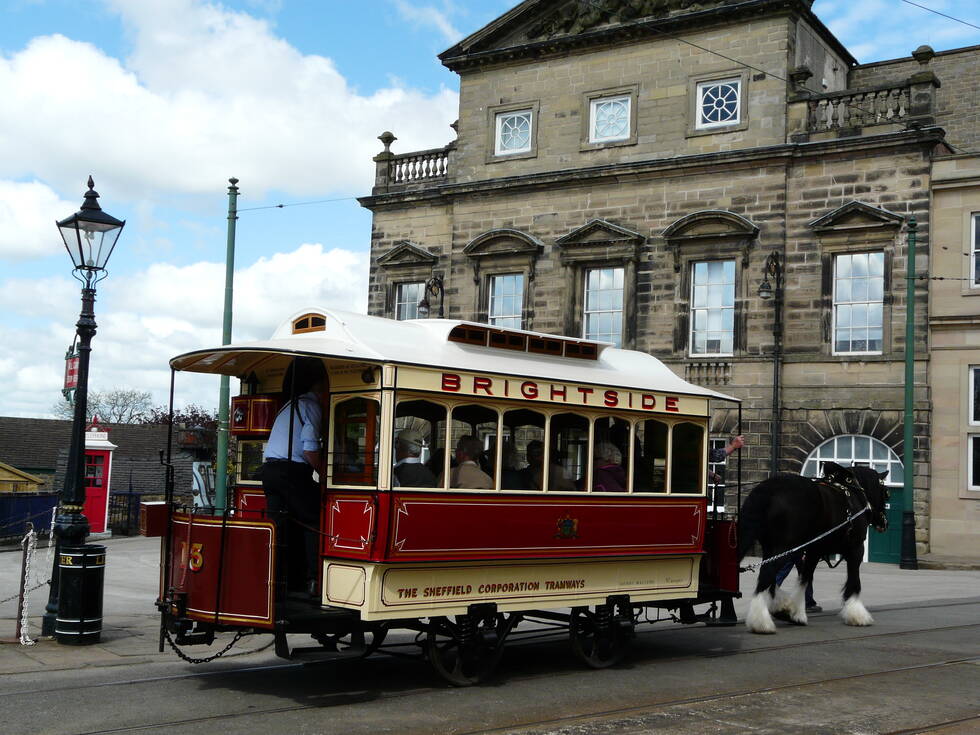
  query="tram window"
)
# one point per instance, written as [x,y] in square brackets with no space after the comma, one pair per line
[423,426]
[610,454]
[687,459]
[474,432]
[569,452]
[355,445]
[650,462]
[522,428]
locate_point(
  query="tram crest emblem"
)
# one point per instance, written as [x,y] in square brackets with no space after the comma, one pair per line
[567,527]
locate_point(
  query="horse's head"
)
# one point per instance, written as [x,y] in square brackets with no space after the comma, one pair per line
[871,482]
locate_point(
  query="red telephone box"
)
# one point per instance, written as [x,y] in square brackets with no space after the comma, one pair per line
[98,473]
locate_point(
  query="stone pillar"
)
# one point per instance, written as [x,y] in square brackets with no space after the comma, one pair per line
[922,90]
[797,106]
[382,161]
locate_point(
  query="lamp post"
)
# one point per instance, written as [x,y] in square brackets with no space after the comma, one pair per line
[435,287]
[90,236]
[908,558]
[774,269]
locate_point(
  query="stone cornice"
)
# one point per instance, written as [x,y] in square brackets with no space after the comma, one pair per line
[751,157]
[466,54]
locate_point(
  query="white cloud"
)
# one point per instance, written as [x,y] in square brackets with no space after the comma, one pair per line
[147,318]
[206,93]
[28,211]
[426,15]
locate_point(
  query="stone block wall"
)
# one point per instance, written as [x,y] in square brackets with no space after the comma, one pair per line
[664,71]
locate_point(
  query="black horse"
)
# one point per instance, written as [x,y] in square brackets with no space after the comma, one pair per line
[786,511]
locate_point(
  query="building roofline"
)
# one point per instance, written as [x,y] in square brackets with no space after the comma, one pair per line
[906,59]
[459,57]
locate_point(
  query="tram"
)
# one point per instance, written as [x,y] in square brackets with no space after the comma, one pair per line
[541,540]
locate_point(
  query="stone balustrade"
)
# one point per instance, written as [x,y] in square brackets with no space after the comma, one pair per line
[401,171]
[856,109]
[407,168]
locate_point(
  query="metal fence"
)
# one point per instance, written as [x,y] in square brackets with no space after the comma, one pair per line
[19,509]
[124,513]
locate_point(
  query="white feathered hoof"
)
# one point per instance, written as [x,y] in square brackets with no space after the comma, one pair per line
[758,619]
[854,613]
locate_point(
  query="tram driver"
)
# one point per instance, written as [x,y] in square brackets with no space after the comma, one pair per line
[292,495]
[409,470]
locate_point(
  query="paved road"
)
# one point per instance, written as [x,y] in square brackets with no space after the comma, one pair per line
[916,668]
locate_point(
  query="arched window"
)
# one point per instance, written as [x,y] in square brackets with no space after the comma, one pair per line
[856,449]
[309,323]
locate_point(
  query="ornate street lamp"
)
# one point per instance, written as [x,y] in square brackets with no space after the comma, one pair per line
[774,269]
[433,286]
[90,236]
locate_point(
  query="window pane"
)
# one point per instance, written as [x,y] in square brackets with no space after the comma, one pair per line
[604,305]
[569,452]
[506,300]
[610,119]
[718,103]
[522,450]
[513,132]
[407,300]
[858,297]
[975,372]
[650,463]
[713,307]
[419,443]
[355,442]
[687,447]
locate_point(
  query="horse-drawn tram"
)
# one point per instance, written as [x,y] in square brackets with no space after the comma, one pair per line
[473,479]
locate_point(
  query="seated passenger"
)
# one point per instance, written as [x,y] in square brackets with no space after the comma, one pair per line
[409,470]
[511,477]
[557,480]
[608,475]
[468,473]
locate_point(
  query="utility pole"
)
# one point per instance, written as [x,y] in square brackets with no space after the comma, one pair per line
[221,464]
[908,558]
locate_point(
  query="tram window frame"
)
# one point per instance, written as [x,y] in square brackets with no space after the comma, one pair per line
[434,433]
[378,420]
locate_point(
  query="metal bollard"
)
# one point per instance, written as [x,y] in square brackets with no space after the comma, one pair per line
[82,572]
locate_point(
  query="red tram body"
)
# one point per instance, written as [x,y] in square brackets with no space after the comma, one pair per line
[465,567]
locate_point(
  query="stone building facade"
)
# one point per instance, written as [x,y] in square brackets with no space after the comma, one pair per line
[633,171]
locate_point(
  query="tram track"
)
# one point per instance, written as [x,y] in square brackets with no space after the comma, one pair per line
[353,696]
[593,717]
[580,718]
[533,638]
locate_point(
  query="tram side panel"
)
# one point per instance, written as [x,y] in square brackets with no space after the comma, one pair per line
[221,572]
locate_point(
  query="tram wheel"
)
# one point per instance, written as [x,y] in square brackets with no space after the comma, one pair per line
[467,651]
[599,638]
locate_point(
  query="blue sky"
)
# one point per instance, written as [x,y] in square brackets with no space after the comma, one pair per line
[163,100]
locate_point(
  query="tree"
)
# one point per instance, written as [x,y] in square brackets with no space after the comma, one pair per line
[119,406]
[191,416]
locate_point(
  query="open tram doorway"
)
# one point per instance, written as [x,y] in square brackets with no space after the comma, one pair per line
[866,451]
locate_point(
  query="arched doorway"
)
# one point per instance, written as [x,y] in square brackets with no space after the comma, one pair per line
[866,451]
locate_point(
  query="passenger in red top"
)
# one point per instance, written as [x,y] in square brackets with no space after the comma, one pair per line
[608,475]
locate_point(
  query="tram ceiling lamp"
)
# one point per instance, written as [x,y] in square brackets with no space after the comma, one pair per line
[90,236]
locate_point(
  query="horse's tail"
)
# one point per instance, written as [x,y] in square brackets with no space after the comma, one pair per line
[752,516]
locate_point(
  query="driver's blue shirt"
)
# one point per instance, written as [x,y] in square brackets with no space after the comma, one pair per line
[306,430]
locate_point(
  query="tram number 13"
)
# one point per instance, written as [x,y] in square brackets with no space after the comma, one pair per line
[195,559]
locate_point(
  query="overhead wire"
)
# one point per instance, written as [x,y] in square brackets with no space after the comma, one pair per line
[931,10]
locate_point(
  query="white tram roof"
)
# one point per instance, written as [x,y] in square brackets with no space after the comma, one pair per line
[426,343]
